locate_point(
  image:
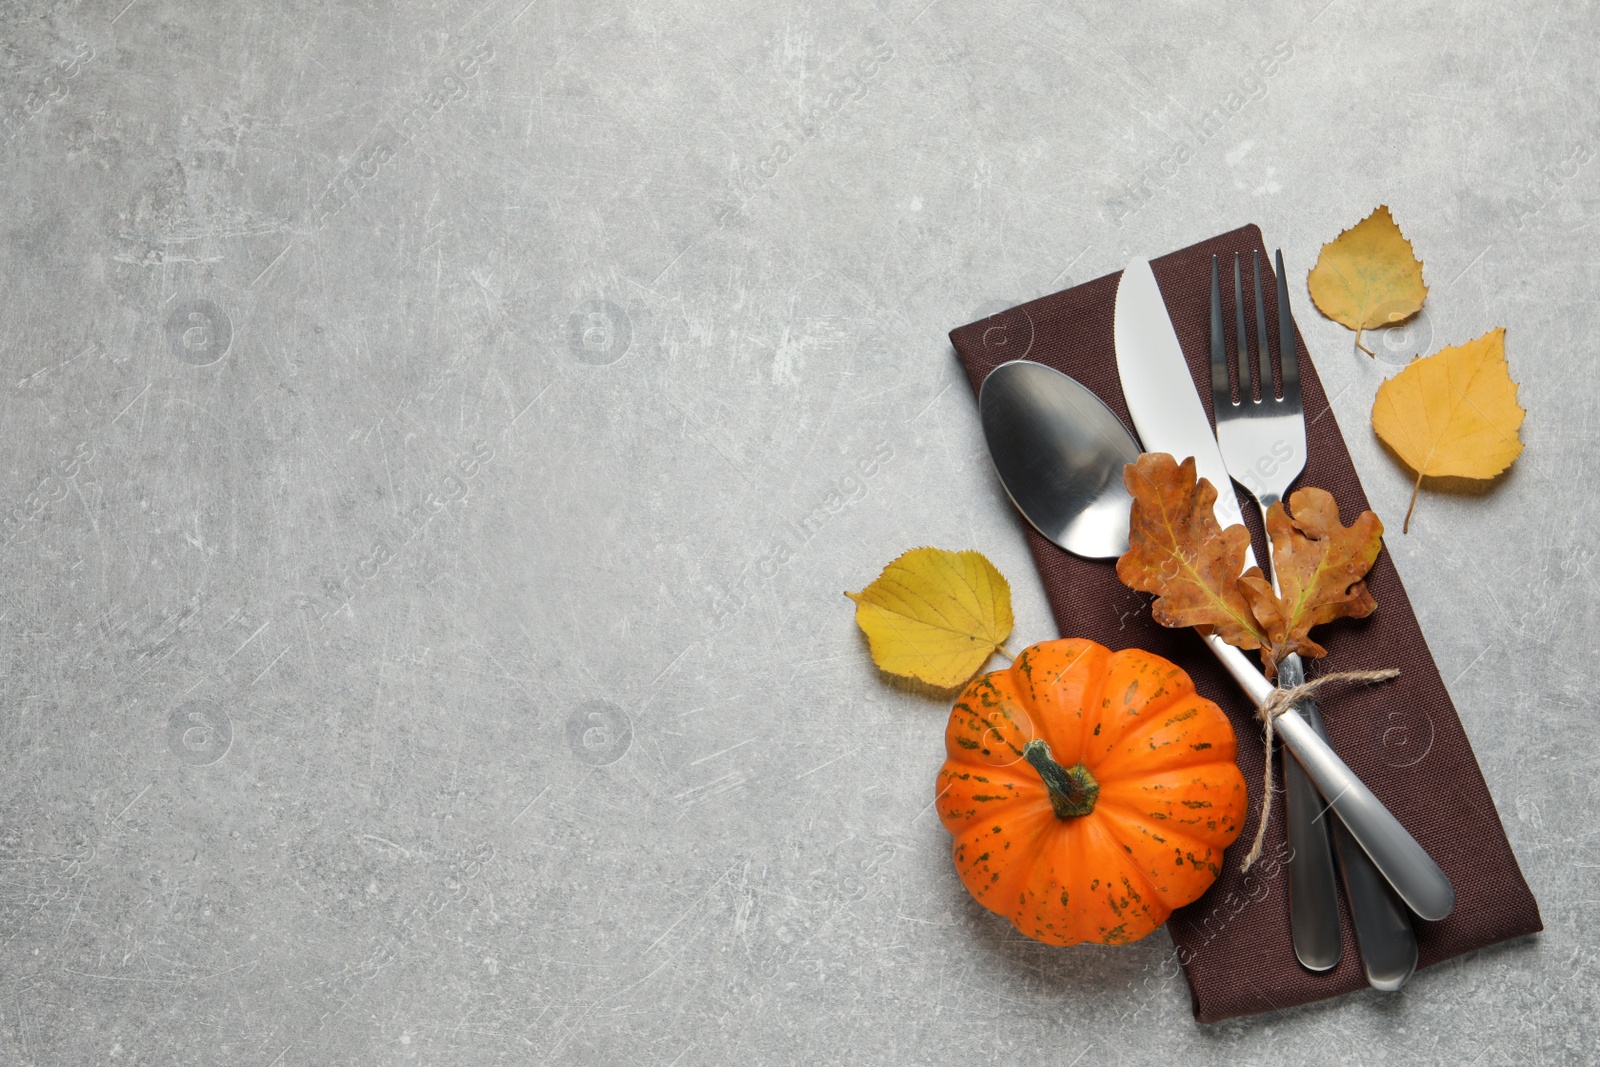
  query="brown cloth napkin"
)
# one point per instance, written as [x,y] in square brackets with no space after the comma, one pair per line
[1402,738]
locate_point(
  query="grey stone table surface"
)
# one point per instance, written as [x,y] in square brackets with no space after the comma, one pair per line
[437,436]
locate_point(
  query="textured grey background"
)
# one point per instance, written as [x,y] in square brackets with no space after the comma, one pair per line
[437,437]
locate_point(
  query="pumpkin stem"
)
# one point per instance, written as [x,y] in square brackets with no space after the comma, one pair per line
[1072,792]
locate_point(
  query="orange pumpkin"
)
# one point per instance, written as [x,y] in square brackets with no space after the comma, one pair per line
[1090,792]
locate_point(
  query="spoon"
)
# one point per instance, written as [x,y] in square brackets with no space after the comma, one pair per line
[1059,452]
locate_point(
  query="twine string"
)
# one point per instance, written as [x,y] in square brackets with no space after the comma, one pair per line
[1281,701]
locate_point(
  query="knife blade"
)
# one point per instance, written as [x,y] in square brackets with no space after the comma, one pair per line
[1160,391]
[1166,411]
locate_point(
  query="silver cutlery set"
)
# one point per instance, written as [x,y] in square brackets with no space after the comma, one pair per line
[1059,452]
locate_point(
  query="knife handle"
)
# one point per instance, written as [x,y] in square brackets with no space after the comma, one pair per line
[1407,866]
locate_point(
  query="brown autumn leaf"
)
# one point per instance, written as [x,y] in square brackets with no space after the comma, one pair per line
[1368,276]
[1452,414]
[1178,552]
[1321,566]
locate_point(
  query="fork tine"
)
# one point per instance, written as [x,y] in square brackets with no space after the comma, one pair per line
[1263,348]
[1246,390]
[1221,390]
[1289,375]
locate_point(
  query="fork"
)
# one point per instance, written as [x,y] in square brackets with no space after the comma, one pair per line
[1262,434]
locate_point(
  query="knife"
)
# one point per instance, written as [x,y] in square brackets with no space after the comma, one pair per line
[1168,415]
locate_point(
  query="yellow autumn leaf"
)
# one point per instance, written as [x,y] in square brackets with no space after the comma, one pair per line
[1368,276]
[935,616]
[1452,414]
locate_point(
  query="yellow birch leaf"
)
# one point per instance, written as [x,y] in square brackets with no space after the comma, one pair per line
[1452,414]
[935,616]
[1368,276]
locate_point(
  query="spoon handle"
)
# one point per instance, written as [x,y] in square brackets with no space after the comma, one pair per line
[1382,925]
[1415,877]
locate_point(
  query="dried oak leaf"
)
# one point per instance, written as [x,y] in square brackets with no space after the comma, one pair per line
[935,616]
[1368,276]
[1178,552]
[1321,566]
[1452,414]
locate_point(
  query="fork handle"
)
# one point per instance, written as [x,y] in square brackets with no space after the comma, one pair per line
[1425,888]
[1313,894]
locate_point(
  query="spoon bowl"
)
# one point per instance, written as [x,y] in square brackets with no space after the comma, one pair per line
[1059,452]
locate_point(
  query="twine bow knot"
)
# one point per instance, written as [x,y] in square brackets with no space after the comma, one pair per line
[1281,701]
